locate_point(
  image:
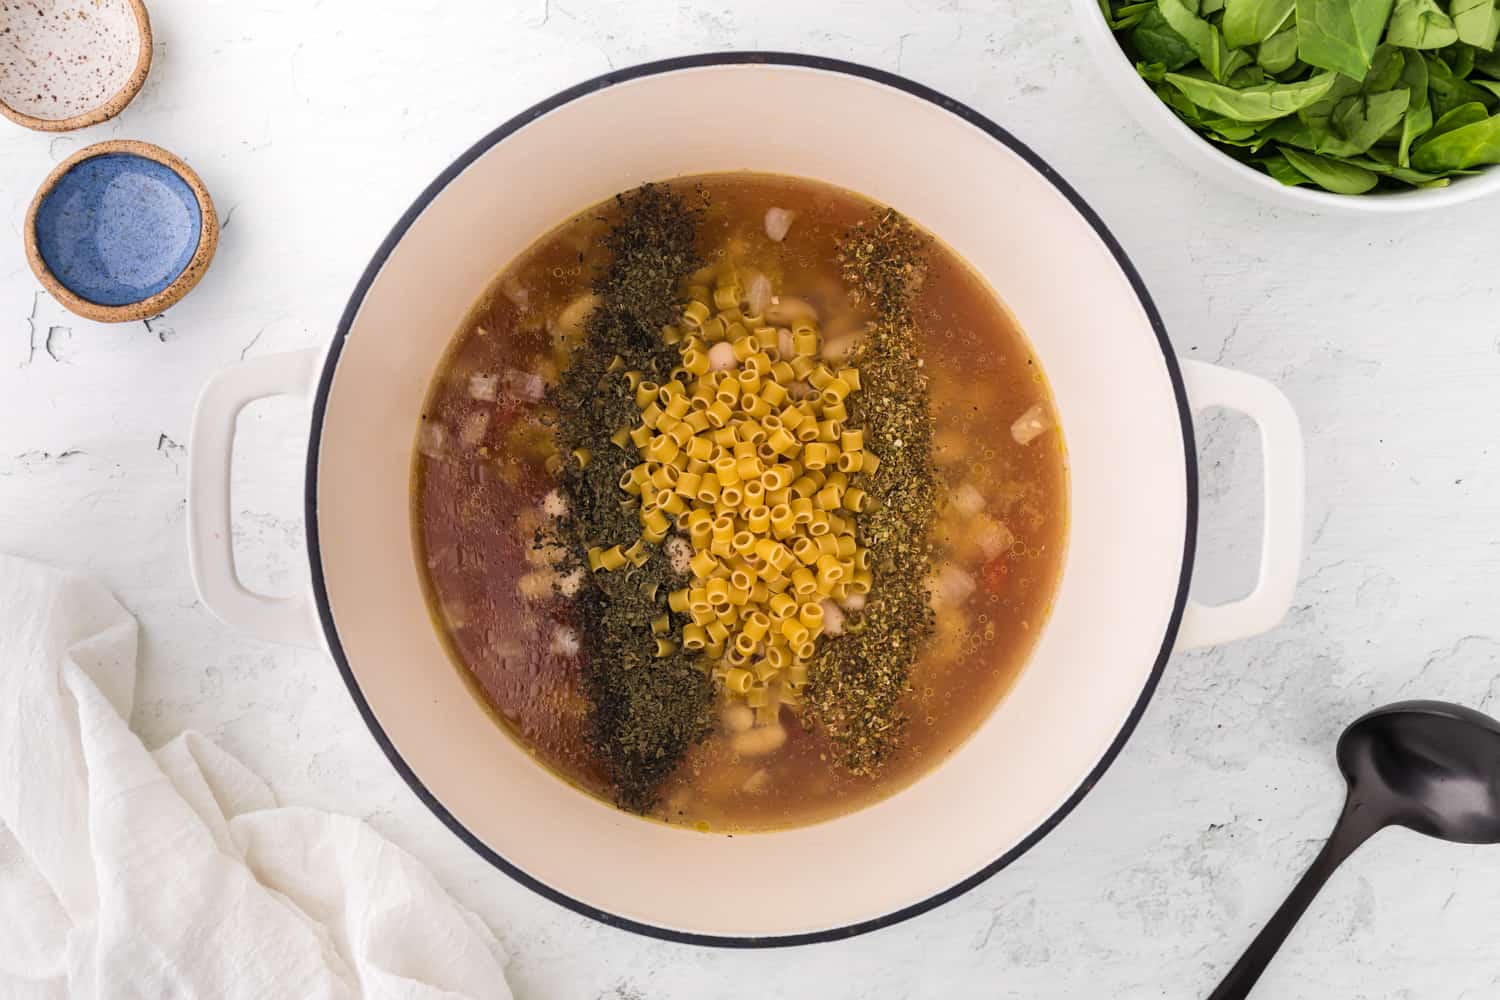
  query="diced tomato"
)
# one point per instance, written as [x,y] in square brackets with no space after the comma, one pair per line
[994,573]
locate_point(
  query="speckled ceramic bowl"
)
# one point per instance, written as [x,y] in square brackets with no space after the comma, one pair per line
[68,64]
[120,231]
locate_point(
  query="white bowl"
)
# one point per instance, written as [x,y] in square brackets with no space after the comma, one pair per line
[1191,148]
[1124,399]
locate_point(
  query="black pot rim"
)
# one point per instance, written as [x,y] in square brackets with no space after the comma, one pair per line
[320,404]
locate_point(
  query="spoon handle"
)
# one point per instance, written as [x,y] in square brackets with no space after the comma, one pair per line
[1354,827]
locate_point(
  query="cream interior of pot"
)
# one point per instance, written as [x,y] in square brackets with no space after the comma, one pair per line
[1115,399]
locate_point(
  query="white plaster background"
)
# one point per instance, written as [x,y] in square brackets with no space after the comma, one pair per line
[314,124]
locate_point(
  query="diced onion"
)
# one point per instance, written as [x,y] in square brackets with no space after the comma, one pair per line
[432,439]
[473,429]
[758,294]
[518,294]
[1030,425]
[954,585]
[536,585]
[565,642]
[854,603]
[778,221]
[570,583]
[484,387]
[993,538]
[526,387]
[967,500]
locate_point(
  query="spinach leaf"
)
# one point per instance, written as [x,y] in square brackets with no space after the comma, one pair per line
[1460,58]
[1405,175]
[1246,77]
[1235,131]
[1239,61]
[1332,175]
[1470,145]
[1278,53]
[1155,41]
[1449,91]
[1419,112]
[1488,64]
[1341,34]
[1385,69]
[1351,117]
[1477,21]
[1200,34]
[1178,102]
[1253,104]
[1277,166]
[1250,22]
[1348,95]
[1459,117]
[1420,24]
[1364,119]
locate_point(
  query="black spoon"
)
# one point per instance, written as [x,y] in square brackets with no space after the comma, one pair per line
[1425,765]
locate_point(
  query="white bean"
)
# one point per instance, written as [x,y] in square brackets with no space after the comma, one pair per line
[759,741]
[680,552]
[833,618]
[554,504]
[786,311]
[570,321]
[738,718]
[721,358]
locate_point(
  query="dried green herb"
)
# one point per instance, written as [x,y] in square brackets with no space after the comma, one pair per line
[858,679]
[646,711]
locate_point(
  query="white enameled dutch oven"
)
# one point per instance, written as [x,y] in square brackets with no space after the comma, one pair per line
[1124,400]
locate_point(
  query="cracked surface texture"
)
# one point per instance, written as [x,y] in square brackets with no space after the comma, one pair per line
[1381,331]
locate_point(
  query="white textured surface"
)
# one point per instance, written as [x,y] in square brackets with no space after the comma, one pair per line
[314,125]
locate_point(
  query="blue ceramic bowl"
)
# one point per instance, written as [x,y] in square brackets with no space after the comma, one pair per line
[121,231]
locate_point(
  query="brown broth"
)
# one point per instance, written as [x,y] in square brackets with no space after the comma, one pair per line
[477,497]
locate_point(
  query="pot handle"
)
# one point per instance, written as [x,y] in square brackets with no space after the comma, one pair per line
[1285,484]
[292,621]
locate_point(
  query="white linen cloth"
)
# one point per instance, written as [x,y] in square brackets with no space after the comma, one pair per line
[129,873]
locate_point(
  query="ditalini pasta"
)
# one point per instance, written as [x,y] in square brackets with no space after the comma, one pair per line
[761,484]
